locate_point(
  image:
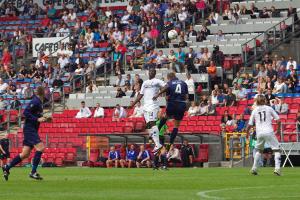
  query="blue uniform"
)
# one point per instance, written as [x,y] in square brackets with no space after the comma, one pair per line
[114,155]
[145,155]
[176,104]
[131,155]
[32,112]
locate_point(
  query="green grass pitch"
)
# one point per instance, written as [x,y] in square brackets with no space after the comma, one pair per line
[146,184]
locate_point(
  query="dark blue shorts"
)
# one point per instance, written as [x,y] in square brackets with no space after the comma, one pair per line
[176,110]
[31,139]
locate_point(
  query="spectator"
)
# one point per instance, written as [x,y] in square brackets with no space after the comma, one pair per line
[3,104]
[143,158]
[291,61]
[100,60]
[187,154]
[180,59]
[27,91]
[212,70]
[3,86]
[214,98]
[120,82]
[173,155]
[218,57]
[130,157]
[271,72]
[120,93]
[51,13]
[230,99]
[84,111]
[172,59]
[6,58]
[15,104]
[91,88]
[203,109]
[226,119]
[242,93]
[221,98]
[269,96]
[274,12]
[193,110]
[236,19]
[138,111]
[161,59]
[240,124]
[282,107]
[238,79]
[264,13]
[113,158]
[279,86]
[220,36]
[211,109]
[191,86]
[99,111]
[119,113]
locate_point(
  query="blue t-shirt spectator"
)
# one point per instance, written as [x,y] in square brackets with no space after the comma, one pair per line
[145,154]
[114,155]
[131,155]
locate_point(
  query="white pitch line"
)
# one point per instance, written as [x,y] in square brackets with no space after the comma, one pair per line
[205,194]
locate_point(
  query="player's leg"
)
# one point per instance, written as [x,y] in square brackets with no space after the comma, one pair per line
[163,158]
[36,161]
[150,118]
[177,111]
[257,157]
[275,146]
[138,164]
[15,161]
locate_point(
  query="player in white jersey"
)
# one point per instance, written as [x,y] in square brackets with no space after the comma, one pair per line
[151,88]
[262,117]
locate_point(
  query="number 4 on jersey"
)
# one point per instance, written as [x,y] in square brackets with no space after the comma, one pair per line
[178,89]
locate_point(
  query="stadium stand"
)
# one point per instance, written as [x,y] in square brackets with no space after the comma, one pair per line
[103,42]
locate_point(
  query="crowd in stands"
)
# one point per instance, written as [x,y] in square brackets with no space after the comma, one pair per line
[134,156]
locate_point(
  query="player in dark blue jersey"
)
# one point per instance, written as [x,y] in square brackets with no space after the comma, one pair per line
[33,117]
[177,96]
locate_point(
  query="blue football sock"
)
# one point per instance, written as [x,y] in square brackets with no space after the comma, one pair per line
[164,160]
[36,161]
[173,135]
[14,162]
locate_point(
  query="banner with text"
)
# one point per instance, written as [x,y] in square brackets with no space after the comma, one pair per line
[48,45]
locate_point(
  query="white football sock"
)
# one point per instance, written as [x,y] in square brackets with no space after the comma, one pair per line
[257,158]
[155,136]
[277,158]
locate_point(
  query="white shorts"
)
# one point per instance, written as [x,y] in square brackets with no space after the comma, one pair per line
[151,116]
[267,138]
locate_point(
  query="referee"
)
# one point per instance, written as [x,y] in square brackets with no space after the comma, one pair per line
[33,117]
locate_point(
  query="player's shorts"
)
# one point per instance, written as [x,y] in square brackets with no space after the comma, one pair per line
[176,110]
[151,116]
[31,139]
[267,138]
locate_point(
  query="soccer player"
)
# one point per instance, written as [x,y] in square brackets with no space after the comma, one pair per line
[33,117]
[177,96]
[150,89]
[4,150]
[262,117]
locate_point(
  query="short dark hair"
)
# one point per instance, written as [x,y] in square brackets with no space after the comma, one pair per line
[83,102]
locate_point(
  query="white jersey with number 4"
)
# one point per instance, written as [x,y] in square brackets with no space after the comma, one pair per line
[149,89]
[262,116]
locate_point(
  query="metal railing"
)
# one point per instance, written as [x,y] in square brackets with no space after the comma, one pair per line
[273,37]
